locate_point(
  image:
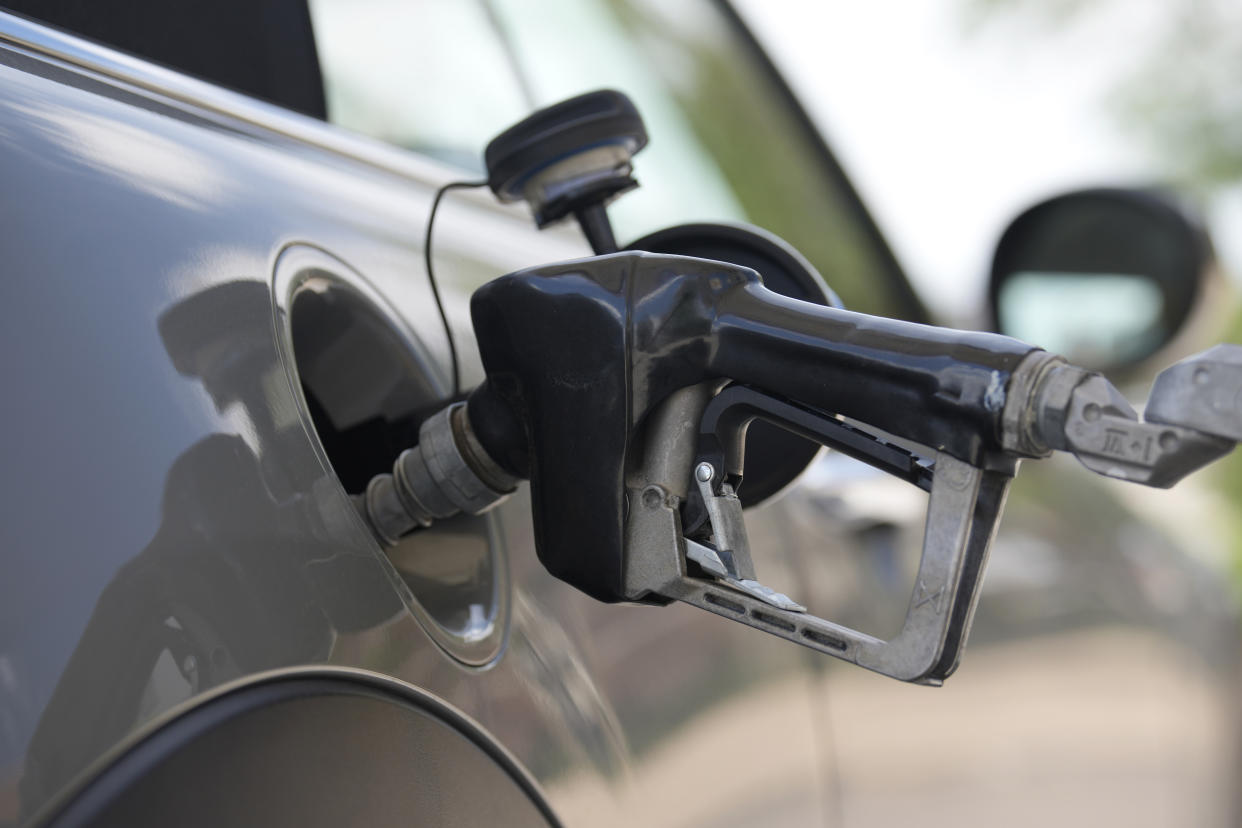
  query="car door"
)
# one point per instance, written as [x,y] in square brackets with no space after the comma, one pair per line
[173,251]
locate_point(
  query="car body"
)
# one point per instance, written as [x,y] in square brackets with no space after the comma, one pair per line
[219,322]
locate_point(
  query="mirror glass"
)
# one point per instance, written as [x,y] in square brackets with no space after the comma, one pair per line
[1091,318]
[1103,277]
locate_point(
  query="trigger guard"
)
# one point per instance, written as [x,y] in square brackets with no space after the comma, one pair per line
[722,442]
[722,435]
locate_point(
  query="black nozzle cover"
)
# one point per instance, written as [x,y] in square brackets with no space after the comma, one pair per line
[557,132]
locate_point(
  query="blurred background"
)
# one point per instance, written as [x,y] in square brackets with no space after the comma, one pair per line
[952,116]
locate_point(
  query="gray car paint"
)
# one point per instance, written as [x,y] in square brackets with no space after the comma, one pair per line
[164,486]
[169,484]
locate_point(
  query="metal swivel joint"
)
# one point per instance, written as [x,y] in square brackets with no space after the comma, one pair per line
[447,473]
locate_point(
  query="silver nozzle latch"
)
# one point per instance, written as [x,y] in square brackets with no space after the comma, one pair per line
[1055,406]
[447,473]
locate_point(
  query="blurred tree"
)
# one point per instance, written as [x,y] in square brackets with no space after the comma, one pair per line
[1181,98]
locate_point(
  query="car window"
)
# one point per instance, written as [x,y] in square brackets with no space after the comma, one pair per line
[431,76]
[443,77]
[265,49]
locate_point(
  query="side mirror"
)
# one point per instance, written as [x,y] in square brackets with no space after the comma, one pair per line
[1105,277]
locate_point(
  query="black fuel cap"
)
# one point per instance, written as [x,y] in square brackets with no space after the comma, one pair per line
[567,156]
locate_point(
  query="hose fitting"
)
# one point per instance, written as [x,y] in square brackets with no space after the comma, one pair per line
[447,473]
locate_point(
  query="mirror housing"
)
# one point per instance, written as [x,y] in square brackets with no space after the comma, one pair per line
[1105,276]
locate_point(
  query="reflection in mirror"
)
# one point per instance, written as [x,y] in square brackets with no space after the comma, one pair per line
[1091,318]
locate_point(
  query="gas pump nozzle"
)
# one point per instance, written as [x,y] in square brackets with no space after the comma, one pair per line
[622,385]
